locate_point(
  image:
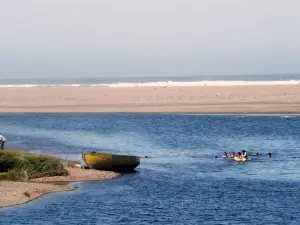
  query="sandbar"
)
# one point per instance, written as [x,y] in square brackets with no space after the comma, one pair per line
[202,99]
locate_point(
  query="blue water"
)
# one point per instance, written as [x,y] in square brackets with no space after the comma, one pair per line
[182,184]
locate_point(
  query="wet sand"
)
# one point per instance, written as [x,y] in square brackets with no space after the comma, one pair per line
[77,174]
[203,99]
[15,193]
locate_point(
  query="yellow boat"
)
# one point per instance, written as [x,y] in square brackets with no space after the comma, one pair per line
[105,161]
[239,159]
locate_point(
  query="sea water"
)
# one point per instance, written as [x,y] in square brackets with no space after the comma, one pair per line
[181,183]
[167,81]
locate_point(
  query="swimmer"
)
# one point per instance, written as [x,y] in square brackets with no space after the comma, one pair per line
[269,155]
[231,155]
[244,154]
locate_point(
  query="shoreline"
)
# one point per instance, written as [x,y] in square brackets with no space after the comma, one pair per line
[154,83]
[14,193]
[280,108]
[19,193]
[251,99]
[169,113]
[263,113]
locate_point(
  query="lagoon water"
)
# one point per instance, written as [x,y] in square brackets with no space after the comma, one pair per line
[182,182]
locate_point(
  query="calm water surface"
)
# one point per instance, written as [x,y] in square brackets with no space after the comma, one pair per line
[182,184]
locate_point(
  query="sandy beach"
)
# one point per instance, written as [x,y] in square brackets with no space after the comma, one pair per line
[202,99]
[15,193]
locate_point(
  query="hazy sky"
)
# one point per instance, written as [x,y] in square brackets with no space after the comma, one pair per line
[65,38]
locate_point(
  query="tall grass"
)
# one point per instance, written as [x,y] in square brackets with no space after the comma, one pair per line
[18,165]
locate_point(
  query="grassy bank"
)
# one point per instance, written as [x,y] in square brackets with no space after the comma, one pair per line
[43,173]
[22,166]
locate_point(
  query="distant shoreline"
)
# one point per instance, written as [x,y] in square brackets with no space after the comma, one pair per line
[92,80]
[164,113]
[156,83]
[248,99]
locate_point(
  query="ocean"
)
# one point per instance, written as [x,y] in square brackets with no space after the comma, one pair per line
[181,183]
[152,81]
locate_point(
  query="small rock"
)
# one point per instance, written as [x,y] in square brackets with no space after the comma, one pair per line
[26,194]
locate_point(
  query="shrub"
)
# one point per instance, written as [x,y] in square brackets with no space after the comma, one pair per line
[17,165]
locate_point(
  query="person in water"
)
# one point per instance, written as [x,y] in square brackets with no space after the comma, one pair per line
[224,155]
[269,155]
[244,154]
[255,154]
[238,155]
[231,155]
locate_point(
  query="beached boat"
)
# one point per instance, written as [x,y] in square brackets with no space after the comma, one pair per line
[105,161]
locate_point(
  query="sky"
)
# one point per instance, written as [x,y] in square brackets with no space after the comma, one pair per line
[146,38]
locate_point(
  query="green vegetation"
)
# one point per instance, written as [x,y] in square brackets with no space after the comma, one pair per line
[20,166]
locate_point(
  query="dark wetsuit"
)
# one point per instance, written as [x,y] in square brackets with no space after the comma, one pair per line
[245,155]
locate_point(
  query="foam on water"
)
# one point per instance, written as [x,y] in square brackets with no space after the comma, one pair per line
[160,84]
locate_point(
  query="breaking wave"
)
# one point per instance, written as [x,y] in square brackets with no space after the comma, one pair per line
[159,84]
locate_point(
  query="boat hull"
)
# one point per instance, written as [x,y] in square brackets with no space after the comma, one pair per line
[111,162]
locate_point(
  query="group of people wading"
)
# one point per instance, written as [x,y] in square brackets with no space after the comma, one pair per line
[242,155]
